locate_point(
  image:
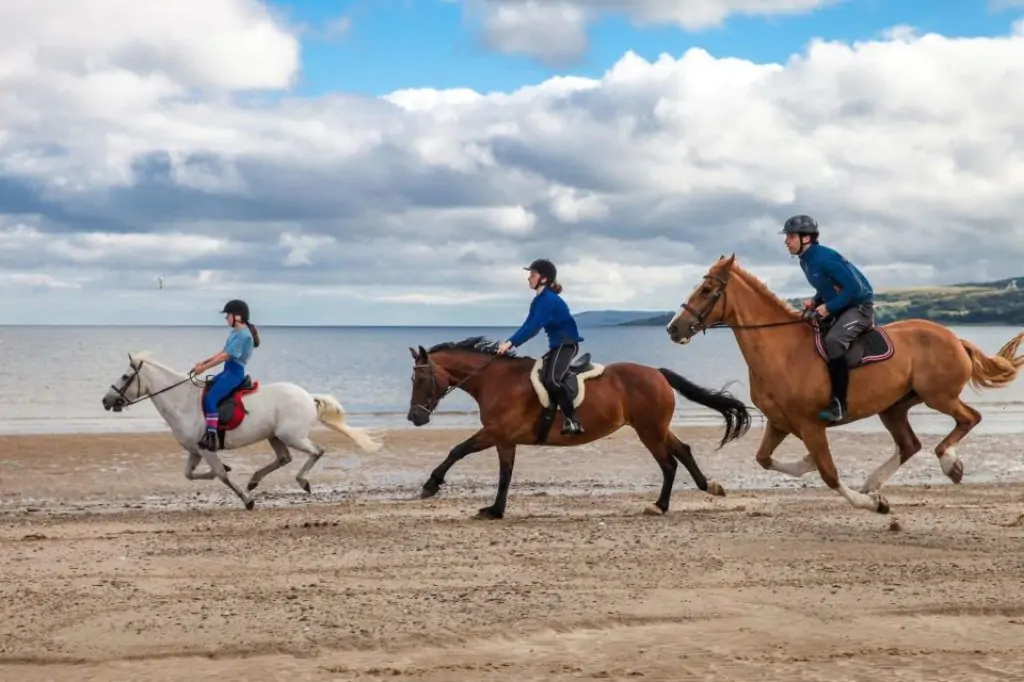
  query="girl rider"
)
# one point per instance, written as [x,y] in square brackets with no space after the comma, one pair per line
[242,339]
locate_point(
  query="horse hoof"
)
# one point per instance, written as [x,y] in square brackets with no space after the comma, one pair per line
[252,486]
[956,472]
[430,489]
[227,469]
[715,488]
[653,510]
[489,514]
[882,505]
[306,486]
[250,505]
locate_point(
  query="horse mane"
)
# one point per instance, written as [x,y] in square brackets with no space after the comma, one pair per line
[147,357]
[480,345]
[758,284]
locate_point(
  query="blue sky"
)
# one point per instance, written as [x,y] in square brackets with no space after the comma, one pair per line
[394,44]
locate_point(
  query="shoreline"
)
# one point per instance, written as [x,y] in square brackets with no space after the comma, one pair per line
[76,472]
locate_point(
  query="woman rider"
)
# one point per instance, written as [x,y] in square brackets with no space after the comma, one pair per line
[549,312]
[241,341]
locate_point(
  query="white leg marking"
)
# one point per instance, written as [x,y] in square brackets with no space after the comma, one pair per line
[877,478]
[870,501]
[800,467]
[948,460]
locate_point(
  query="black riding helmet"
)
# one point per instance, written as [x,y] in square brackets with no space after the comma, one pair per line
[237,307]
[544,268]
[801,224]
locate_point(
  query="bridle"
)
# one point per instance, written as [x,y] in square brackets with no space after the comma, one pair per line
[435,388]
[700,324]
[125,401]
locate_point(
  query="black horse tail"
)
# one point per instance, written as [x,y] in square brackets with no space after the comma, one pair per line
[737,418]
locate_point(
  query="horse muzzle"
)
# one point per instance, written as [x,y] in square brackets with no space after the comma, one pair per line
[678,336]
[116,405]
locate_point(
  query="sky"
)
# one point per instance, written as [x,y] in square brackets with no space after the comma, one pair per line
[398,162]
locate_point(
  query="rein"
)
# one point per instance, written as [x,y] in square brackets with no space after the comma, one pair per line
[434,384]
[700,317]
[149,396]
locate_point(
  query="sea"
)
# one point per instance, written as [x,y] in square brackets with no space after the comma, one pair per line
[52,379]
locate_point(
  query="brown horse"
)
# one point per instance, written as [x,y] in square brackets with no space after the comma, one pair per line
[894,367]
[509,394]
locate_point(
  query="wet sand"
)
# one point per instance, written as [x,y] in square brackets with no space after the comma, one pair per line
[117,568]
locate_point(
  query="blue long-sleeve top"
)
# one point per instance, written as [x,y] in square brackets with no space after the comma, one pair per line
[837,282]
[548,312]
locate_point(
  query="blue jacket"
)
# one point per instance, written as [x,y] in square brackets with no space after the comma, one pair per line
[548,312]
[837,282]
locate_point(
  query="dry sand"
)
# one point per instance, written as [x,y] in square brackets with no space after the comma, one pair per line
[116,568]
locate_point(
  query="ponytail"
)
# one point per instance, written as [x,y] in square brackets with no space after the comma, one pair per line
[255,334]
[555,287]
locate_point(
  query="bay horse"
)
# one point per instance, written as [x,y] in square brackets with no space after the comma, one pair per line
[894,367]
[281,413]
[516,410]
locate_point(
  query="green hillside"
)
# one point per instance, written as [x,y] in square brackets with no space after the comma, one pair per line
[1000,302]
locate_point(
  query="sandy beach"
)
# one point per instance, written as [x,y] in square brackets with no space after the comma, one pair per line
[117,568]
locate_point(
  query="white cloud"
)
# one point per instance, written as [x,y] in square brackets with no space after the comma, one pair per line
[135,149]
[555,31]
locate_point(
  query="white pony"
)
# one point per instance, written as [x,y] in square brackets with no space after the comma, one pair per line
[281,413]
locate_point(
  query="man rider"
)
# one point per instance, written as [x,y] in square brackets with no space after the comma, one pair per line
[842,293]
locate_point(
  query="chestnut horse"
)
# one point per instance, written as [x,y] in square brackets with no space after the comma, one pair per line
[913,362]
[510,410]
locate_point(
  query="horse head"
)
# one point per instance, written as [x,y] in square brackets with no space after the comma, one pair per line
[706,305]
[130,387]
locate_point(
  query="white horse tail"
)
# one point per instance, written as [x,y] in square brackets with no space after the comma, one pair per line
[331,414]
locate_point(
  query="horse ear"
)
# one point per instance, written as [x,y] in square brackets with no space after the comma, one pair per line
[423,353]
[413,353]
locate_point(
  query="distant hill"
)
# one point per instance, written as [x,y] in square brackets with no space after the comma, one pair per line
[999,302]
[611,318]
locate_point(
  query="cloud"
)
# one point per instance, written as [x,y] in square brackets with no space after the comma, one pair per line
[139,140]
[555,31]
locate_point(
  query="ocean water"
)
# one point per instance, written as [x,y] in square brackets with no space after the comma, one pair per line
[53,378]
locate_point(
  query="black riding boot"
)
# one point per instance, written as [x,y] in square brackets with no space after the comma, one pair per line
[569,424]
[839,373]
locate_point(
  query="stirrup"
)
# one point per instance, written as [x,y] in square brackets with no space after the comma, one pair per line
[835,412]
[570,427]
[209,441]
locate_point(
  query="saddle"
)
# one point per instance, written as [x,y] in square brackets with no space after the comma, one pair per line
[870,347]
[231,409]
[580,370]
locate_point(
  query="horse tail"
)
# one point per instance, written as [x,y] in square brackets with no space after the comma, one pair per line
[331,414]
[994,371]
[737,418]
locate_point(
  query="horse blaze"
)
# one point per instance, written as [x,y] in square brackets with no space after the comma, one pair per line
[231,411]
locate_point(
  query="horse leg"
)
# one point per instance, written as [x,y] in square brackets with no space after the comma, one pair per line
[658,445]
[770,442]
[684,455]
[194,458]
[218,469]
[481,440]
[314,451]
[282,457]
[506,462]
[966,419]
[907,445]
[816,441]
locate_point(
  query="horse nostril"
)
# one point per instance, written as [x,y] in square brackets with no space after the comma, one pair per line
[673,329]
